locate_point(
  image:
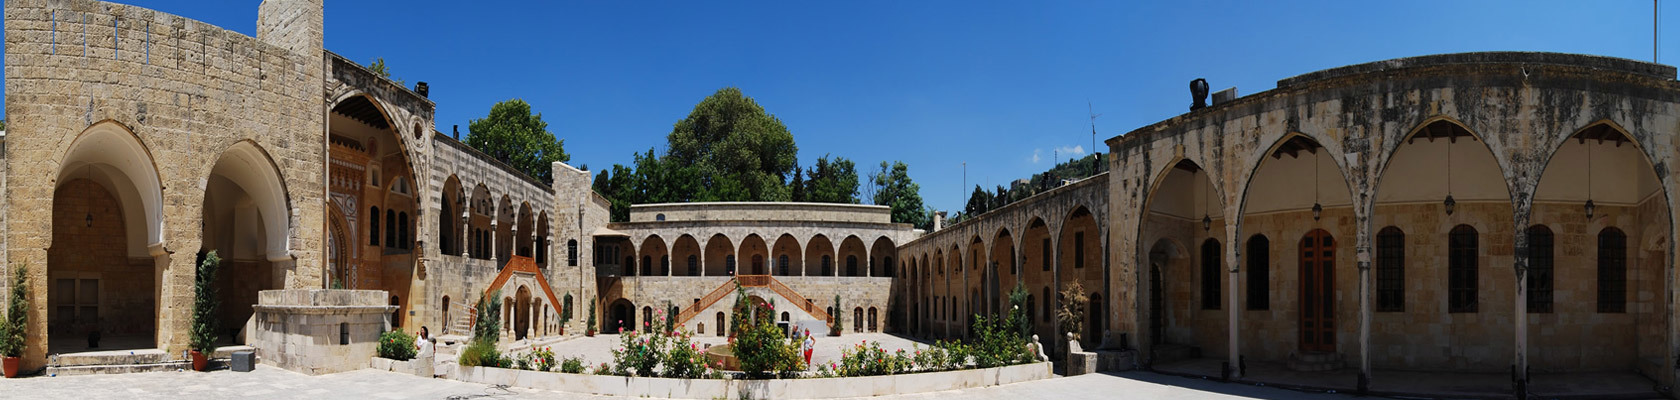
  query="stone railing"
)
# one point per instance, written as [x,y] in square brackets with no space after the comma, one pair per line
[798,301]
[705,302]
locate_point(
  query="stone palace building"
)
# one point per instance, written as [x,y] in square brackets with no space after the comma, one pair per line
[1485,212]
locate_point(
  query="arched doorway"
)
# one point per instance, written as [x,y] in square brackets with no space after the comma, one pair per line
[102,281]
[1185,278]
[246,222]
[522,313]
[623,316]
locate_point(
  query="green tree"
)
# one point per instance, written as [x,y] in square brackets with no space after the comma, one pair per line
[512,134]
[12,328]
[204,326]
[741,153]
[832,181]
[979,202]
[618,185]
[895,189]
[798,185]
[378,67]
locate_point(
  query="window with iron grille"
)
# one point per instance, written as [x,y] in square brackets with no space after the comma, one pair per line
[571,252]
[1461,269]
[1391,270]
[782,265]
[1078,250]
[1045,248]
[1259,273]
[1539,269]
[1210,275]
[1612,271]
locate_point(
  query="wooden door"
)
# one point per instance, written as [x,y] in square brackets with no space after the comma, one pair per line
[1318,287]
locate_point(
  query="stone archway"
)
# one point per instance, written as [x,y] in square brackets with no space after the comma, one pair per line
[103,282]
[245,220]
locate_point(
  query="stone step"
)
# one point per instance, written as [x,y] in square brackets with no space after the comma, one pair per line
[119,357]
[121,369]
[1315,361]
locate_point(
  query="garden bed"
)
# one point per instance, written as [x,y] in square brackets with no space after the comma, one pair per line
[812,388]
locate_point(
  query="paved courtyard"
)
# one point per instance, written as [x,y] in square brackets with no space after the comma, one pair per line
[273,383]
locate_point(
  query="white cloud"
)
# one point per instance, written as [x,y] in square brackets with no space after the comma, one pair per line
[1070,152]
[1037,154]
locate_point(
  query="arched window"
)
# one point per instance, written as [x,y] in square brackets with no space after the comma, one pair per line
[445,239]
[1539,269]
[857,319]
[729,264]
[373,226]
[1259,273]
[1461,269]
[402,230]
[647,265]
[665,264]
[1032,312]
[1210,275]
[390,228]
[782,265]
[1612,271]
[693,265]
[828,267]
[851,266]
[1391,270]
[571,252]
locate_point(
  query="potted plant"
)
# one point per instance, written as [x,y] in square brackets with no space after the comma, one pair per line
[589,330]
[565,313]
[16,321]
[203,335]
[835,329]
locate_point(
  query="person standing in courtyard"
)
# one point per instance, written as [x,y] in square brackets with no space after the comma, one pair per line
[809,344]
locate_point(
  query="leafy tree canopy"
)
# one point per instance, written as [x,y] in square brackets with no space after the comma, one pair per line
[514,135]
[832,181]
[741,153]
[895,189]
[378,67]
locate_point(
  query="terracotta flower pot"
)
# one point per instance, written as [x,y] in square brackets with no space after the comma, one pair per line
[199,361]
[10,365]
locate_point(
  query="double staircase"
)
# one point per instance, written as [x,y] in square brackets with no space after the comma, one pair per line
[760,281]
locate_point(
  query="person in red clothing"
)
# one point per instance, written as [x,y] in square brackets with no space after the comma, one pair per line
[810,344]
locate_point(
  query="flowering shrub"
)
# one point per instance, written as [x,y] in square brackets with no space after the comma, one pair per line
[761,346]
[869,359]
[396,345]
[664,354]
[540,359]
[572,365]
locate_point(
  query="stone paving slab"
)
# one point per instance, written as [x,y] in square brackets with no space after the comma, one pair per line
[273,383]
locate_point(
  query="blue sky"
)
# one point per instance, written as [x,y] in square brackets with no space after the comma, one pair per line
[999,85]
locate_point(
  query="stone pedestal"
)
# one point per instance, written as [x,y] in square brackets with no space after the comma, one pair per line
[320,331]
[1079,361]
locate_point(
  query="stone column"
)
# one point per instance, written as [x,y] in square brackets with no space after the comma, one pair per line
[465,239]
[834,266]
[670,265]
[1362,254]
[1519,258]
[1232,267]
[1055,233]
[493,249]
[869,260]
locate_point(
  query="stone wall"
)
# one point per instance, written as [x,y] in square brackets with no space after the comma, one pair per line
[184,90]
[762,211]
[320,331]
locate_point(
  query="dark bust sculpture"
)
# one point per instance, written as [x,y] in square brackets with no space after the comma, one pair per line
[1199,92]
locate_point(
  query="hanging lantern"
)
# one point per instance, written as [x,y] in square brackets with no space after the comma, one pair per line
[1450,204]
[1318,209]
[1590,208]
[1207,222]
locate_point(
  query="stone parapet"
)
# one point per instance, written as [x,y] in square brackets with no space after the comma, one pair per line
[319,331]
